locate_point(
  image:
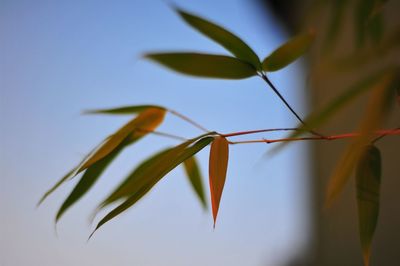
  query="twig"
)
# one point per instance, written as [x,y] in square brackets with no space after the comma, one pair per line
[187,119]
[163,134]
[257,131]
[381,134]
[276,91]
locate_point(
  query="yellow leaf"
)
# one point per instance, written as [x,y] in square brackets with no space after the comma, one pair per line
[375,112]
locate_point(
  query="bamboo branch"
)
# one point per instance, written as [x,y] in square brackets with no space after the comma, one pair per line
[380,133]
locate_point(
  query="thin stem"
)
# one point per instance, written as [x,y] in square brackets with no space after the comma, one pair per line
[381,133]
[162,134]
[382,136]
[276,91]
[257,131]
[187,119]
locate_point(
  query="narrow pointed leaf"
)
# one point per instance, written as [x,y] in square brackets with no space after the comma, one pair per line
[53,188]
[222,36]
[376,110]
[218,165]
[368,180]
[193,172]
[65,178]
[288,52]
[146,121]
[139,175]
[88,179]
[161,167]
[154,167]
[124,110]
[205,65]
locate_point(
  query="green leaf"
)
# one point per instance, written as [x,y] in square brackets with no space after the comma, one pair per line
[205,65]
[145,121]
[136,178]
[65,178]
[368,180]
[57,185]
[154,173]
[147,168]
[88,179]
[225,38]
[193,172]
[125,110]
[288,52]
[219,155]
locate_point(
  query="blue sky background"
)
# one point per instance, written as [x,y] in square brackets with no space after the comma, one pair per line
[58,58]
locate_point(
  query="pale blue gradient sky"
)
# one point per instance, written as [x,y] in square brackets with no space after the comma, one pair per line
[58,58]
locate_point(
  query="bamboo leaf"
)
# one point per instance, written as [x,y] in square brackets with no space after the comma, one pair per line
[288,52]
[124,110]
[154,166]
[204,65]
[88,179]
[368,180]
[57,185]
[154,118]
[137,178]
[376,110]
[218,165]
[155,173]
[145,121]
[193,172]
[222,36]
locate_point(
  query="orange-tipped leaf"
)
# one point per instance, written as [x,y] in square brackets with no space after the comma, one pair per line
[219,154]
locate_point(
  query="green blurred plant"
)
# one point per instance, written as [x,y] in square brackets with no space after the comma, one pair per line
[362,153]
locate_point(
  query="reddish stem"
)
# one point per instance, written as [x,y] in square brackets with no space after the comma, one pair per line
[385,132]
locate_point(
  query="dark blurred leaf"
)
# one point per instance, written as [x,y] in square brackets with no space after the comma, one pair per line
[338,8]
[125,110]
[288,52]
[143,182]
[88,179]
[319,117]
[225,38]
[376,110]
[376,28]
[363,11]
[193,172]
[205,65]
[368,180]
[218,165]
[145,121]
